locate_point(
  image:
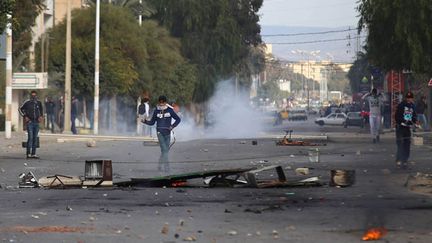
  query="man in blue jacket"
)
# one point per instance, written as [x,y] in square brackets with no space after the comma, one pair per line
[163,115]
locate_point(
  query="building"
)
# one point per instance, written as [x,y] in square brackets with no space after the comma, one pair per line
[55,12]
[319,71]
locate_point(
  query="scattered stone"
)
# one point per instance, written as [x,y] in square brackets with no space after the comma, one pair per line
[2,170]
[91,143]
[302,171]
[358,152]
[165,229]
[35,216]
[181,222]
[181,190]
[68,208]
[258,233]
[292,156]
[242,142]
[232,232]
[92,218]
[190,238]
[105,195]
[227,211]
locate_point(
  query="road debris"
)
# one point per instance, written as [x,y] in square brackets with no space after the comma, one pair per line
[27,180]
[342,178]
[91,143]
[302,171]
[165,229]
[232,233]
[190,238]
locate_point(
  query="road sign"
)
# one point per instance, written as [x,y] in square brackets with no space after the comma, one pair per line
[430,83]
[30,81]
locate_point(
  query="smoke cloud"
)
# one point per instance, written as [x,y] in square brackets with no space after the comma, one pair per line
[229,115]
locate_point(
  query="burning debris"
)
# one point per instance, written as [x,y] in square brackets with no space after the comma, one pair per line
[374,234]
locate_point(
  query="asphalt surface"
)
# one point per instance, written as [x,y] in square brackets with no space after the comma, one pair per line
[302,214]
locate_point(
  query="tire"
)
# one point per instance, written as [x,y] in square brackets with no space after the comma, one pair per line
[321,123]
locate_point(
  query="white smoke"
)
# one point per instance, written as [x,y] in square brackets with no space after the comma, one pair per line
[230,115]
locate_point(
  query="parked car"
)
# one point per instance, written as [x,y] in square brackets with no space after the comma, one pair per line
[354,119]
[297,115]
[332,119]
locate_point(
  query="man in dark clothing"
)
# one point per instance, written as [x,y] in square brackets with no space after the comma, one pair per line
[50,110]
[163,115]
[74,113]
[421,107]
[32,112]
[406,118]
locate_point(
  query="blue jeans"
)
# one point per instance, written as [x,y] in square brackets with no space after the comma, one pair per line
[32,131]
[50,120]
[423,121]
[164,143]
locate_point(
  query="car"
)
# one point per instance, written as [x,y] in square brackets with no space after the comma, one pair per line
[297,115]
[332,119]
[354,119]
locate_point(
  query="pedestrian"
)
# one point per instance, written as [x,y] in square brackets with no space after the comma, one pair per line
[375,101]
[421,107]
[163,115]
[50,111]
[144,114]
[32,112]
[74,113]
[406,118]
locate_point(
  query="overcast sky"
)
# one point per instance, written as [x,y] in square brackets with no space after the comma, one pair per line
[317,13]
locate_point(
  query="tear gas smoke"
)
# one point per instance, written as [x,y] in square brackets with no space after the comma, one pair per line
[229,115]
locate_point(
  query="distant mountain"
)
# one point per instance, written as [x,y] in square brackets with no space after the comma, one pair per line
[332,47]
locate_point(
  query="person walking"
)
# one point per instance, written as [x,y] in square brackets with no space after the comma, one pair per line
[421,107]
[32,112]
[406,118]
[50,111]
[163,115]
[74,113]
[375,101]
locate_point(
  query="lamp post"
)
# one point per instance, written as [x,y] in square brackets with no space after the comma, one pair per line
[67,96]
[96,74]
[8,110]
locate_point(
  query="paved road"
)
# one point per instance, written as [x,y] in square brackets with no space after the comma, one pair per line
[316,214]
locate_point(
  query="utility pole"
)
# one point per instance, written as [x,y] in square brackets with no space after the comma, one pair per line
[67,96]
[96,77]
[8,108]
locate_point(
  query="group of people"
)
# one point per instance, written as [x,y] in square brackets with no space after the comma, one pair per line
[33,114]
[408,116]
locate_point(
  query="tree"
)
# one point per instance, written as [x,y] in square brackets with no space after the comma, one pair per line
[362,71]
[24,15]
[217,36]
[6,7]
[133,58]
[399,33]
